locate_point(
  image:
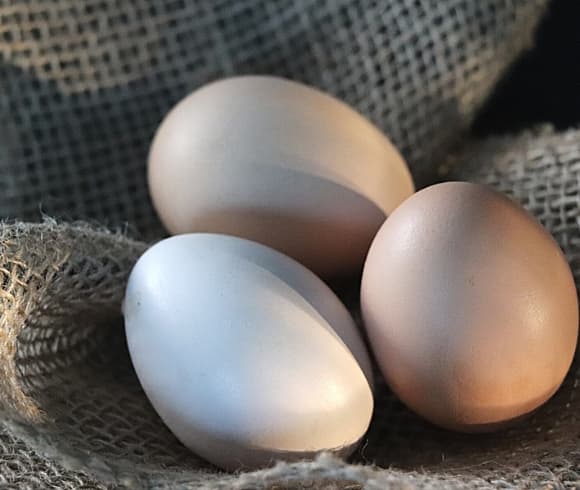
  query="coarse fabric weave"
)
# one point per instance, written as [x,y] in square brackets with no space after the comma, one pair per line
[83,87]
[85,84]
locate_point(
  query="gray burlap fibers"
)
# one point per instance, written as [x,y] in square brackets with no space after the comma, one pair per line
[83,86]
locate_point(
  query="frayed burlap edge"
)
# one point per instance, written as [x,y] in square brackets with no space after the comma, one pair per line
[43,269]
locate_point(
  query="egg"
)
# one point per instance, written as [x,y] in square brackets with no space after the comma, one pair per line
[246,355]
[280,163]
[470,307]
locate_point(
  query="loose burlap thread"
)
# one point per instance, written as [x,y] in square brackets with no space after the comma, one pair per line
[85,86]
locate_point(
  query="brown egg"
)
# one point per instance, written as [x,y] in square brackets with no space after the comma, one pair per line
[470,307]
[279,163]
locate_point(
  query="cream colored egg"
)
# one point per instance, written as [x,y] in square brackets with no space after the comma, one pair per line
[245,354]
[280,163]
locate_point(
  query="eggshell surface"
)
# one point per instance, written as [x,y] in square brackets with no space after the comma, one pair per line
[279,163]
[233,345]
[470,307]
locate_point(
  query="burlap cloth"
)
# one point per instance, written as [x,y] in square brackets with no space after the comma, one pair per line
[83,85]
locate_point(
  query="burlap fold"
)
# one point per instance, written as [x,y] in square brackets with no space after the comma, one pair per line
[85,84]
[98,422]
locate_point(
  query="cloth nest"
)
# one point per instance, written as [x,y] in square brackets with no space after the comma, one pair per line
[85,84]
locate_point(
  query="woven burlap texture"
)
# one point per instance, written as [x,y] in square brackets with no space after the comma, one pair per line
[83,85]
[66,364]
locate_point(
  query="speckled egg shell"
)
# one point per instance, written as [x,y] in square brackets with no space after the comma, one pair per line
[470,307]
